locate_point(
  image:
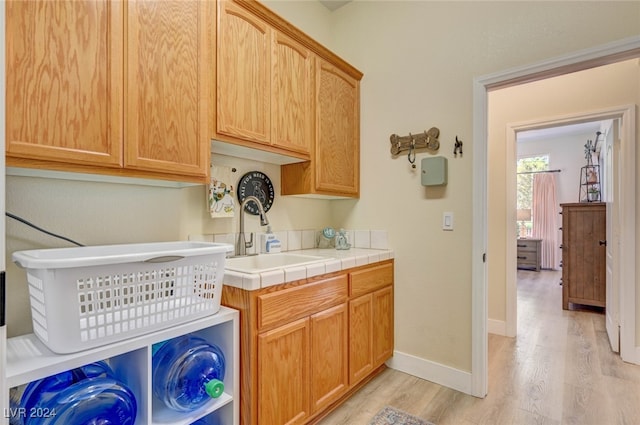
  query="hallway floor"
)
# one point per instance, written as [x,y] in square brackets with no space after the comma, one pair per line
[559,370]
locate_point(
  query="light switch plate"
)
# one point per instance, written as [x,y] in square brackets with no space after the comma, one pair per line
[447,221]
[434,171]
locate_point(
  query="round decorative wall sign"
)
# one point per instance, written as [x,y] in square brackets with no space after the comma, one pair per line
[258,184]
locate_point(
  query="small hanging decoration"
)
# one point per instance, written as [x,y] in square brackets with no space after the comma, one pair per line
[457,148]
[588,152]
[590,190]
[427,139]
[220,192]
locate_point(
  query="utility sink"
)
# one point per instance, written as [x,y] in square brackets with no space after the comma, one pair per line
[265,262]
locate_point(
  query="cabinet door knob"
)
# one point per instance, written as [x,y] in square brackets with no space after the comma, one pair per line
[602,243]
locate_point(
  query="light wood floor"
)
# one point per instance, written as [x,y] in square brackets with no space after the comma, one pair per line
[558,370]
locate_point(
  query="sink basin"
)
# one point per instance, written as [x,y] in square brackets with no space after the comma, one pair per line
[265,262]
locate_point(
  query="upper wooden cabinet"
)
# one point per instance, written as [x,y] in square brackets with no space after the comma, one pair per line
[243,70]
[337,152]
[167,87]
[64,81]
[292,90]
[281,92]
[334,169]
[109,87]
[264,84]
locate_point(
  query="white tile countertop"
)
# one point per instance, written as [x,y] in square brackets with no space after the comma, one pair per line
[336,260]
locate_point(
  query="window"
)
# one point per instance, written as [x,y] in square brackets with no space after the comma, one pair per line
[525,167]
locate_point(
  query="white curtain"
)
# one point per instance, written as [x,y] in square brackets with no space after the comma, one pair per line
[545,219]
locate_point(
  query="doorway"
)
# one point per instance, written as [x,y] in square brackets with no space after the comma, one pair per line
[565,145]
[611,53]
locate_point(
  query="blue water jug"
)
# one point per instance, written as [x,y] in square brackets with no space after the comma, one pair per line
[89,395]
[187,372]
[207,420]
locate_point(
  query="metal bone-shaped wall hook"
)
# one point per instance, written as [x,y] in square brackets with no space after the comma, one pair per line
[428,139]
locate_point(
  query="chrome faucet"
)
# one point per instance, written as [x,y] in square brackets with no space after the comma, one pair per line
[242,244]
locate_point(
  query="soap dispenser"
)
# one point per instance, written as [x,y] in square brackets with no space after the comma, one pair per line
[269,243]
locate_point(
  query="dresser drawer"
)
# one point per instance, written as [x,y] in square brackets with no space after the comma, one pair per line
[525,245]
[526,257]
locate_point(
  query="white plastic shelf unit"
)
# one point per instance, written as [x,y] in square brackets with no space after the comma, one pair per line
[28,360]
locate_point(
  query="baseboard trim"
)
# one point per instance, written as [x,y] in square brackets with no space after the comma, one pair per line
[636,359]
[431,371]
[497,327]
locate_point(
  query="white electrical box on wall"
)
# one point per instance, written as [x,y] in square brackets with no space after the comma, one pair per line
[434,171]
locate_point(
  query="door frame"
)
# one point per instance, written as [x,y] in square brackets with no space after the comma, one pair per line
[626,206]
[611,147]
[4,391]
[572,62]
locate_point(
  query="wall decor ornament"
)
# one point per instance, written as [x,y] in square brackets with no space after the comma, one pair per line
[258,184]
[220,192]
[590,174]
[427,139]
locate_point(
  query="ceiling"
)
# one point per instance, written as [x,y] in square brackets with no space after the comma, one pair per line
[334,4]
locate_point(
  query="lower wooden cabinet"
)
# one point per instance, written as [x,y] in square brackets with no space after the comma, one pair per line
[370,321]
[382,325]
[329,348]
[302,367]
[306,345]
[283,374]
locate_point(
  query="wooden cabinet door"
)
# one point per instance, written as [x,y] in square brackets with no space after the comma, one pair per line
[337,150]
[243,75]
[167,86]
[329,360]
[360,338]
[382,325]
[292,95]
[64,81]
[283,374]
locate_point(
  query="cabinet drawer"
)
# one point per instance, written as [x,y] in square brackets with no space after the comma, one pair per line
[527,257]
[365,281]
[292,303]
[524,245]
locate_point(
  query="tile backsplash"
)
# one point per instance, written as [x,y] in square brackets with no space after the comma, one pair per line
[293,240]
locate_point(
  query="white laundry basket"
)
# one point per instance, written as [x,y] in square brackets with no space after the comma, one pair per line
[90,296]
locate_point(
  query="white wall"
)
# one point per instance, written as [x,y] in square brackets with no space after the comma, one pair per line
[419,60]
[312,14]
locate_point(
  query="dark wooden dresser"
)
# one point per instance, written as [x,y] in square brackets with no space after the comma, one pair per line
[584,254]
